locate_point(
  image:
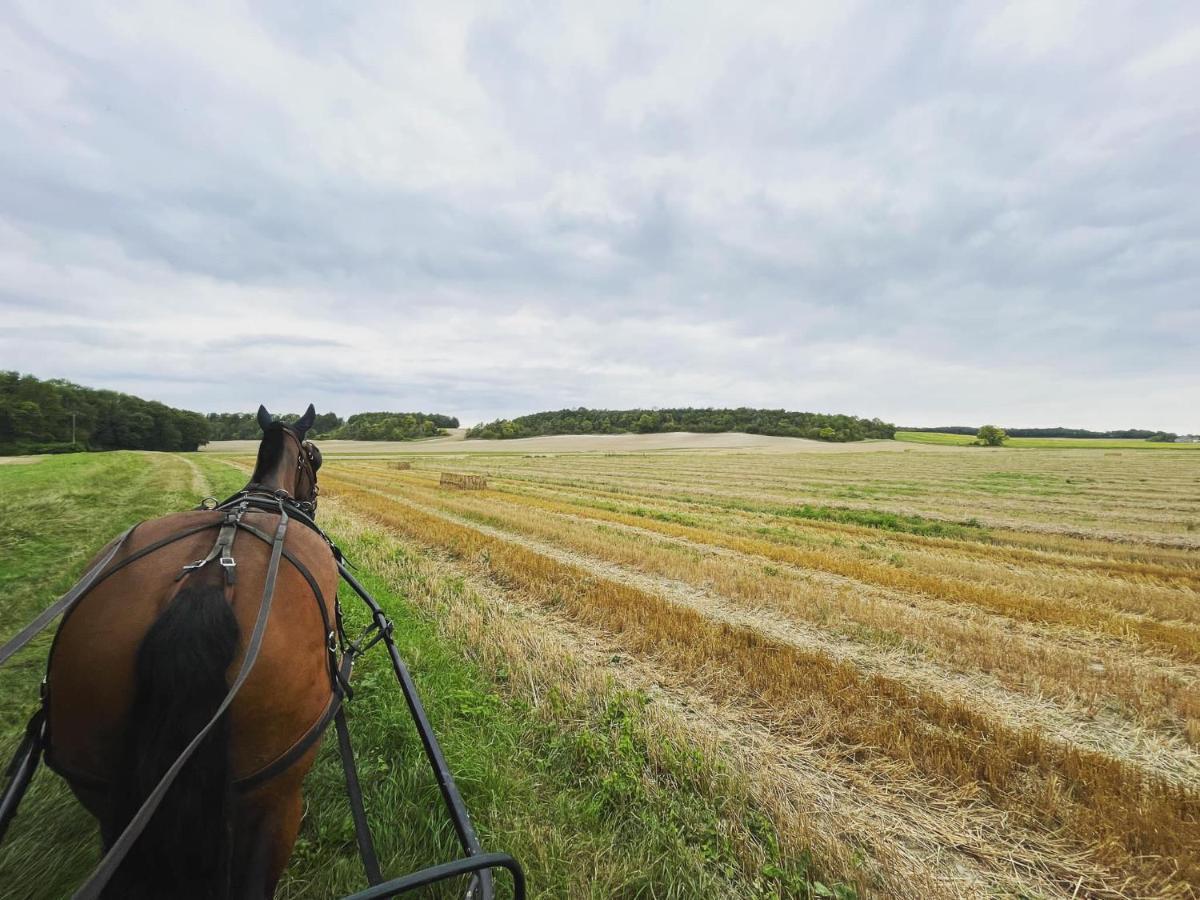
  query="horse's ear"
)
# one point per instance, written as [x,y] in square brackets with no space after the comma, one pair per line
[264,418]
[306,421]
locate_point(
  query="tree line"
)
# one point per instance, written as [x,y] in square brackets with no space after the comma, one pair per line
[368,426]
[1123,433]
[57,416]
[784,423]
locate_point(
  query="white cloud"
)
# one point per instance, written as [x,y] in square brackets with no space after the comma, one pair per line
[871,208]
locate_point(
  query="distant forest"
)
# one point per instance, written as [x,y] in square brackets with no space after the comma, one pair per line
[818,426]
[1134,433]
[370,426]
[36,417]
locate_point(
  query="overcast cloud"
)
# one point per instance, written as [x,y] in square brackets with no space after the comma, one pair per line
[951,213]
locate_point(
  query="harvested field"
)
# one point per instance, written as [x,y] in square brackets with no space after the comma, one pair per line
[1004,644]
[946,673]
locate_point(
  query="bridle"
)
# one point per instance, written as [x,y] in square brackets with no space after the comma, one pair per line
[308,460]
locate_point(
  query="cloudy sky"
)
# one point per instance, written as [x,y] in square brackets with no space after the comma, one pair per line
[950,213]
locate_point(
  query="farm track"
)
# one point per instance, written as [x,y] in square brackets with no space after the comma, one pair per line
[916,847]
[764,688]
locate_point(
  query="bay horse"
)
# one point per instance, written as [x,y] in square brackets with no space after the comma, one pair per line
[144,661]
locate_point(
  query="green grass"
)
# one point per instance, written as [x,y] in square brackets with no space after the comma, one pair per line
[886,521]
[578,784]
[966,440]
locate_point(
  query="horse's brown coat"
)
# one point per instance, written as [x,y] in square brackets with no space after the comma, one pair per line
[91,672]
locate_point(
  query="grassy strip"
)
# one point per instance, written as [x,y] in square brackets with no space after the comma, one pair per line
[872,518]
[1145,826]
[54,515]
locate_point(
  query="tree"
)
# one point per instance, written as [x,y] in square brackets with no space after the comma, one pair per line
[990,436]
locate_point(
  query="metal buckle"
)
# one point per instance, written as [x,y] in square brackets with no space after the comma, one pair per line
[209,503]
[228,562]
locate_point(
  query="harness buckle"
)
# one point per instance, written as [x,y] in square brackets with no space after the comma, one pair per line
[228,562]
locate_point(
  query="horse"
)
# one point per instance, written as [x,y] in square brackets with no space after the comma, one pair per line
[143,662]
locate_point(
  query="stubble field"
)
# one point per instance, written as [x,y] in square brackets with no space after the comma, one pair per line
[944,672]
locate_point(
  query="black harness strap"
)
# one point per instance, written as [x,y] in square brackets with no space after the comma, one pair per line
[123,844]
[362,830]
[285,761]
[50,613]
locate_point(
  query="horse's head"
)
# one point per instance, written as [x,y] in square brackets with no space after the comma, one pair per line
[286,461]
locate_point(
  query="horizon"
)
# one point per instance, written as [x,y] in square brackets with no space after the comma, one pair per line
[885,211]
[464,423]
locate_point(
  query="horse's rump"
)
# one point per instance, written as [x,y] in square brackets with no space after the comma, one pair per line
[91,668]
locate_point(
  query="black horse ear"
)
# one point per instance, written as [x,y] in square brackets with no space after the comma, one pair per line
[264,418]
[306,421]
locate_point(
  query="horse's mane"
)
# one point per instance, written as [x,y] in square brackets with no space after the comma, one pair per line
[269,451]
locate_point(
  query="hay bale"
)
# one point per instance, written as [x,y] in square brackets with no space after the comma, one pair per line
[462,482]
[400,465]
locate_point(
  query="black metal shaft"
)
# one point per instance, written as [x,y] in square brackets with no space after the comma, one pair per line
[480,863]
[459,816]
[20,773]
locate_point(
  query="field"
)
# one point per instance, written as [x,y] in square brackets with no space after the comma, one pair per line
[1043,443]
[739,672]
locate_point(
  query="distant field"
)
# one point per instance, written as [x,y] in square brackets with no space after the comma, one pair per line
[735,673]
[584,443]
[964,440]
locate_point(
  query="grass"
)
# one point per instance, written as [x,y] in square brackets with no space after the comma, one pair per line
[885,520]
[966,440]
[576,777]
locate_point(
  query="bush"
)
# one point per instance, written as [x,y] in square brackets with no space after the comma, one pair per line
[990,436]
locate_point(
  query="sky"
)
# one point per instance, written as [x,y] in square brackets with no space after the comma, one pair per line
[931,213]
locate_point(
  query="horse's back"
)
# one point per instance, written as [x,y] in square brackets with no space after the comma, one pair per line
[91,668]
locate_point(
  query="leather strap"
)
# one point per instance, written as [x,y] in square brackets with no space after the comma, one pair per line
[69,599]
[120,849]
[289,757]
[362,830]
